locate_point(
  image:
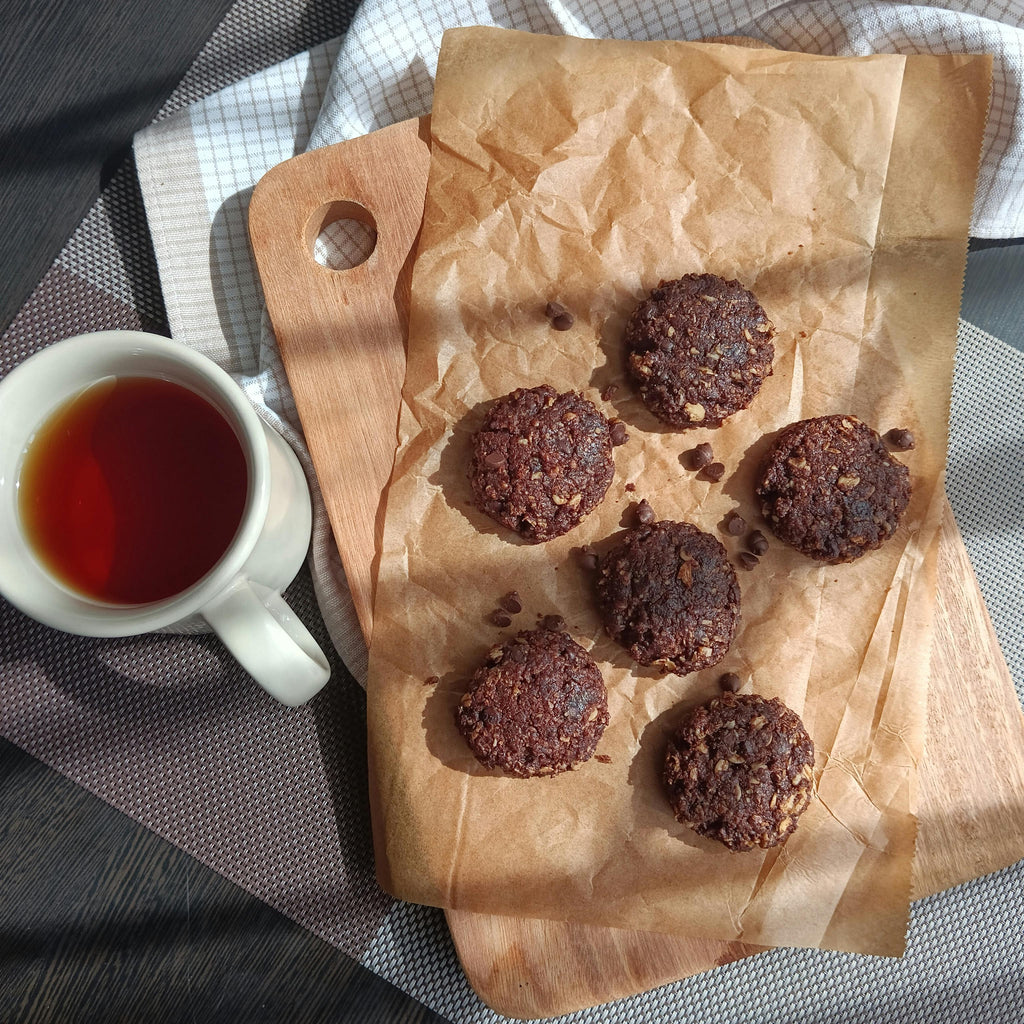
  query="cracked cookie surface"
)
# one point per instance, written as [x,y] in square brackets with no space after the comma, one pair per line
[537,707]
[740,769]
[669,595]
[698,349]
[829,487]
[541,461]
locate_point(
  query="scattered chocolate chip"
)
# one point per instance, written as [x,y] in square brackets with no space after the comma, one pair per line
[900,438]
[757,542]
[431,681]
[588,558]
[618,432]
[643,512]
[713,471]
[501,618]
[701,456]
[734,523]
[603,758]
[609,392]
[561,319]
[730,682]
[511,602]
[554,623]
[631,487]
[747,560]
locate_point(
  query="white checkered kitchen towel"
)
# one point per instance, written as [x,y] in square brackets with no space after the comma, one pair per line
[197,168]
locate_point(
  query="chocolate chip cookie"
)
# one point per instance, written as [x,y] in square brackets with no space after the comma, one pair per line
[829,487]
[698,349]
[537,707]
[740,769]
[669,595]
[541,461]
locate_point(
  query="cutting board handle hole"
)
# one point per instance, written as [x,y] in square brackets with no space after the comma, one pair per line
[341,235]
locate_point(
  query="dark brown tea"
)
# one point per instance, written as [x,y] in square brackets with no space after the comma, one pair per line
[132,490]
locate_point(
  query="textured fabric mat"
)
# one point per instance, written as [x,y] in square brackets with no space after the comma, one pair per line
[169,729]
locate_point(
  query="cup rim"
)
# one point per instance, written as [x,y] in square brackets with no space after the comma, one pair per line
[80,614]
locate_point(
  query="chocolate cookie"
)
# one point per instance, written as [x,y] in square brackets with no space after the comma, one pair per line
[541,461]
[740,769]
[537,707]
[699,349]
[669,595]
[829,487]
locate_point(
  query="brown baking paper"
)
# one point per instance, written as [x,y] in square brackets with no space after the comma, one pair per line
[584,172]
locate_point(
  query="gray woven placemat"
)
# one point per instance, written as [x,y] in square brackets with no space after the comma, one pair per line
[171,732]
[169,729]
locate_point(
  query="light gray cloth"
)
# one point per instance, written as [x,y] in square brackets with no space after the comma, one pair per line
[385,69]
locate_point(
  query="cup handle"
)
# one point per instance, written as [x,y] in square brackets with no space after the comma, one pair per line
[263,634]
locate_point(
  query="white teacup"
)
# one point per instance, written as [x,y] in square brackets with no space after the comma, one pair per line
[239,597]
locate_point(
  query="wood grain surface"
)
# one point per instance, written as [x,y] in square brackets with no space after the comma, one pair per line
[344,349]
[529,968]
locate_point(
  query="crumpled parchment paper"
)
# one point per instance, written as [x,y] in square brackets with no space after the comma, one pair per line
[584,172]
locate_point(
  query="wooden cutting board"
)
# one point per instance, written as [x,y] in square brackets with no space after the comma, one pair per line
[342,340]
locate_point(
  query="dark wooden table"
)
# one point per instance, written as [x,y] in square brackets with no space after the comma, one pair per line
[101,920]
